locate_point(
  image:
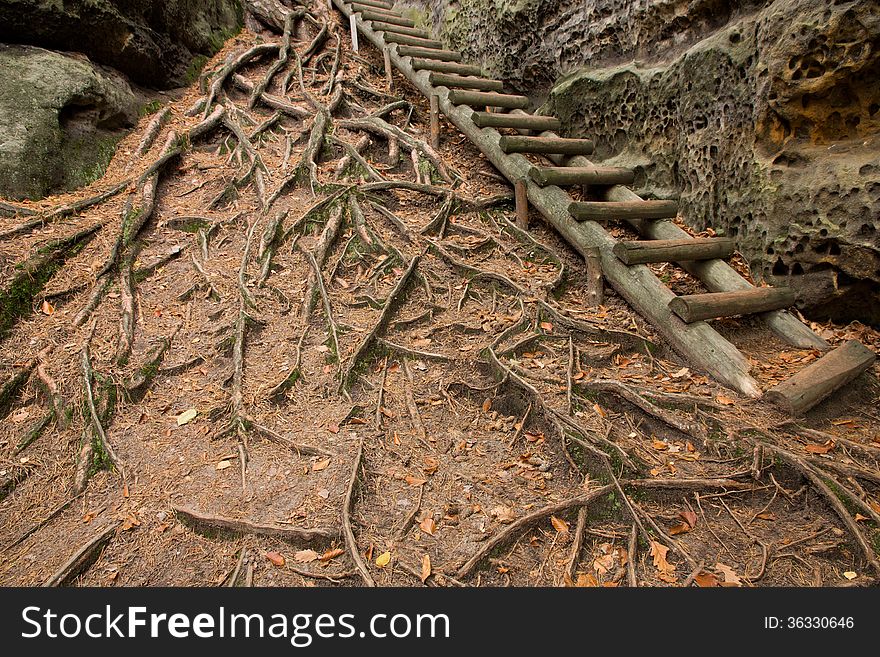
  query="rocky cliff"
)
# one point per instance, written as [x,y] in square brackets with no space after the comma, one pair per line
[762,117]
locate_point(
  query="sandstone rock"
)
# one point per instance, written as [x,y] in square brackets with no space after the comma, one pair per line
[763,117]
[153,41]
[60,119]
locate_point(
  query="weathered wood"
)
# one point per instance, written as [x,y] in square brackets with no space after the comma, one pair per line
[696,307]
[487,99]
[445,67]
[699,343]
[581,175]
[378,4]
[429,53]
[516,121]
[595,284]
[435,122]
[84,557]
[703,248]
[354,32]
[400,29]
[520,144]
[821,378]
[406,40]
[384,17]
[522,204]
[389,71]
[462,82]
[716,275]
[610,210]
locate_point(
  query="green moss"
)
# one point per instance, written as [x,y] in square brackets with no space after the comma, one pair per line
[86,158]
[150,108]
[194,70]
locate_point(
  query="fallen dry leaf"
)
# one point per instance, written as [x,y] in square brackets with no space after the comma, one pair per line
[680,528]
[222,465]
[320,465]
[503,514]
[861,518]
[585,580]
[659,445]
[305,556]
[186,416]
[426,568]
[383,559]
[559,524]
[47,308]
[547,326]
[414,481]
[666,569]
[428,526]
[706,580]
[275,558]
[727,401]
[824,448]
[850,574]
[766,515]
[331,554]
[730,577]
[387,412]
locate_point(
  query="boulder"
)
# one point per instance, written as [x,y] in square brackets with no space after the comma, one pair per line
[60,120]
[762,117]
[158,43]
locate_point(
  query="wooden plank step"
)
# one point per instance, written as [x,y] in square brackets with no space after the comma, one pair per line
[518,144]
[581,175]
[393,19]
[625,210]
[406,40]
[429,53]
[446,67]
[516,121]
[700,248]
[821,378]
[696,307]
[487,99]
[379,26]
[378,4]
[463,82]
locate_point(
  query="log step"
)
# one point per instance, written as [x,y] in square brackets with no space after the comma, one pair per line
[688,249]
[378,4]
[581,175]
[461,82]
[446,67]
[394,19]
[516,121]
[622,210]
[821,378]
[429,53]
[696,307]
[517,144]
[487,99]
[400,29]
[405,40]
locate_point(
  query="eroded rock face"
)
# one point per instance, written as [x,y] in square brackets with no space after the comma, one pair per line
[763,117]
[60,119]
[152,41]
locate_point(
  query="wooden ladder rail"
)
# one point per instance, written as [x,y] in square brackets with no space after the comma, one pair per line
[698,342]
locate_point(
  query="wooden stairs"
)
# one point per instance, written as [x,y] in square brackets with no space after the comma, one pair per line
[472,103]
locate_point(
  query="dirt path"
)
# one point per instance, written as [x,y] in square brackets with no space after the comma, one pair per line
[263,360]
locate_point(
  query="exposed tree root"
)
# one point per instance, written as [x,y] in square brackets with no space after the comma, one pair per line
[348,505]
[299,535]
[82,558]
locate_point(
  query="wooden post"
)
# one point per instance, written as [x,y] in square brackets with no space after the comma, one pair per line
[522,204]
[517,121]
[389,77]
[610,210]
[818,380]
[461,82]
[487,98]
[580,175]
[352,20]
[696,307]
[595,284]
[699,248]
[435,122]
[519,144]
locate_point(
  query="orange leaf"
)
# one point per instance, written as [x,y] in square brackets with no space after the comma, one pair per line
[861,518]
[426,568]
[275,558]
[559,525]
[689,517]
[599,410]
[547,326]
[331,554]
[727,401]
[666,569]
[47,308]
[659,445]
[320,465]
[824,448]
[305,556]
[706,580]
[333,427]
[586,580]
[730,577]
[428,526]
[680,528]
[414,481]
[487,404]
[767,515]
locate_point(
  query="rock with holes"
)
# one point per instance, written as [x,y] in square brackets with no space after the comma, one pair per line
[60,120]
[762,116]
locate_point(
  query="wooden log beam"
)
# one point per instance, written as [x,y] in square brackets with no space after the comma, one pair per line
[611,210]
[400,29]
[515,121]
[487,99]
[521,196]
[821,378]
[465,82]
[698,343]
[377,4]
[702,248]
[429,53]
[697,307]
[716,275]
[384,17]
[419,64]
[595,284]
[557,145]
[580,175]
[406,40]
